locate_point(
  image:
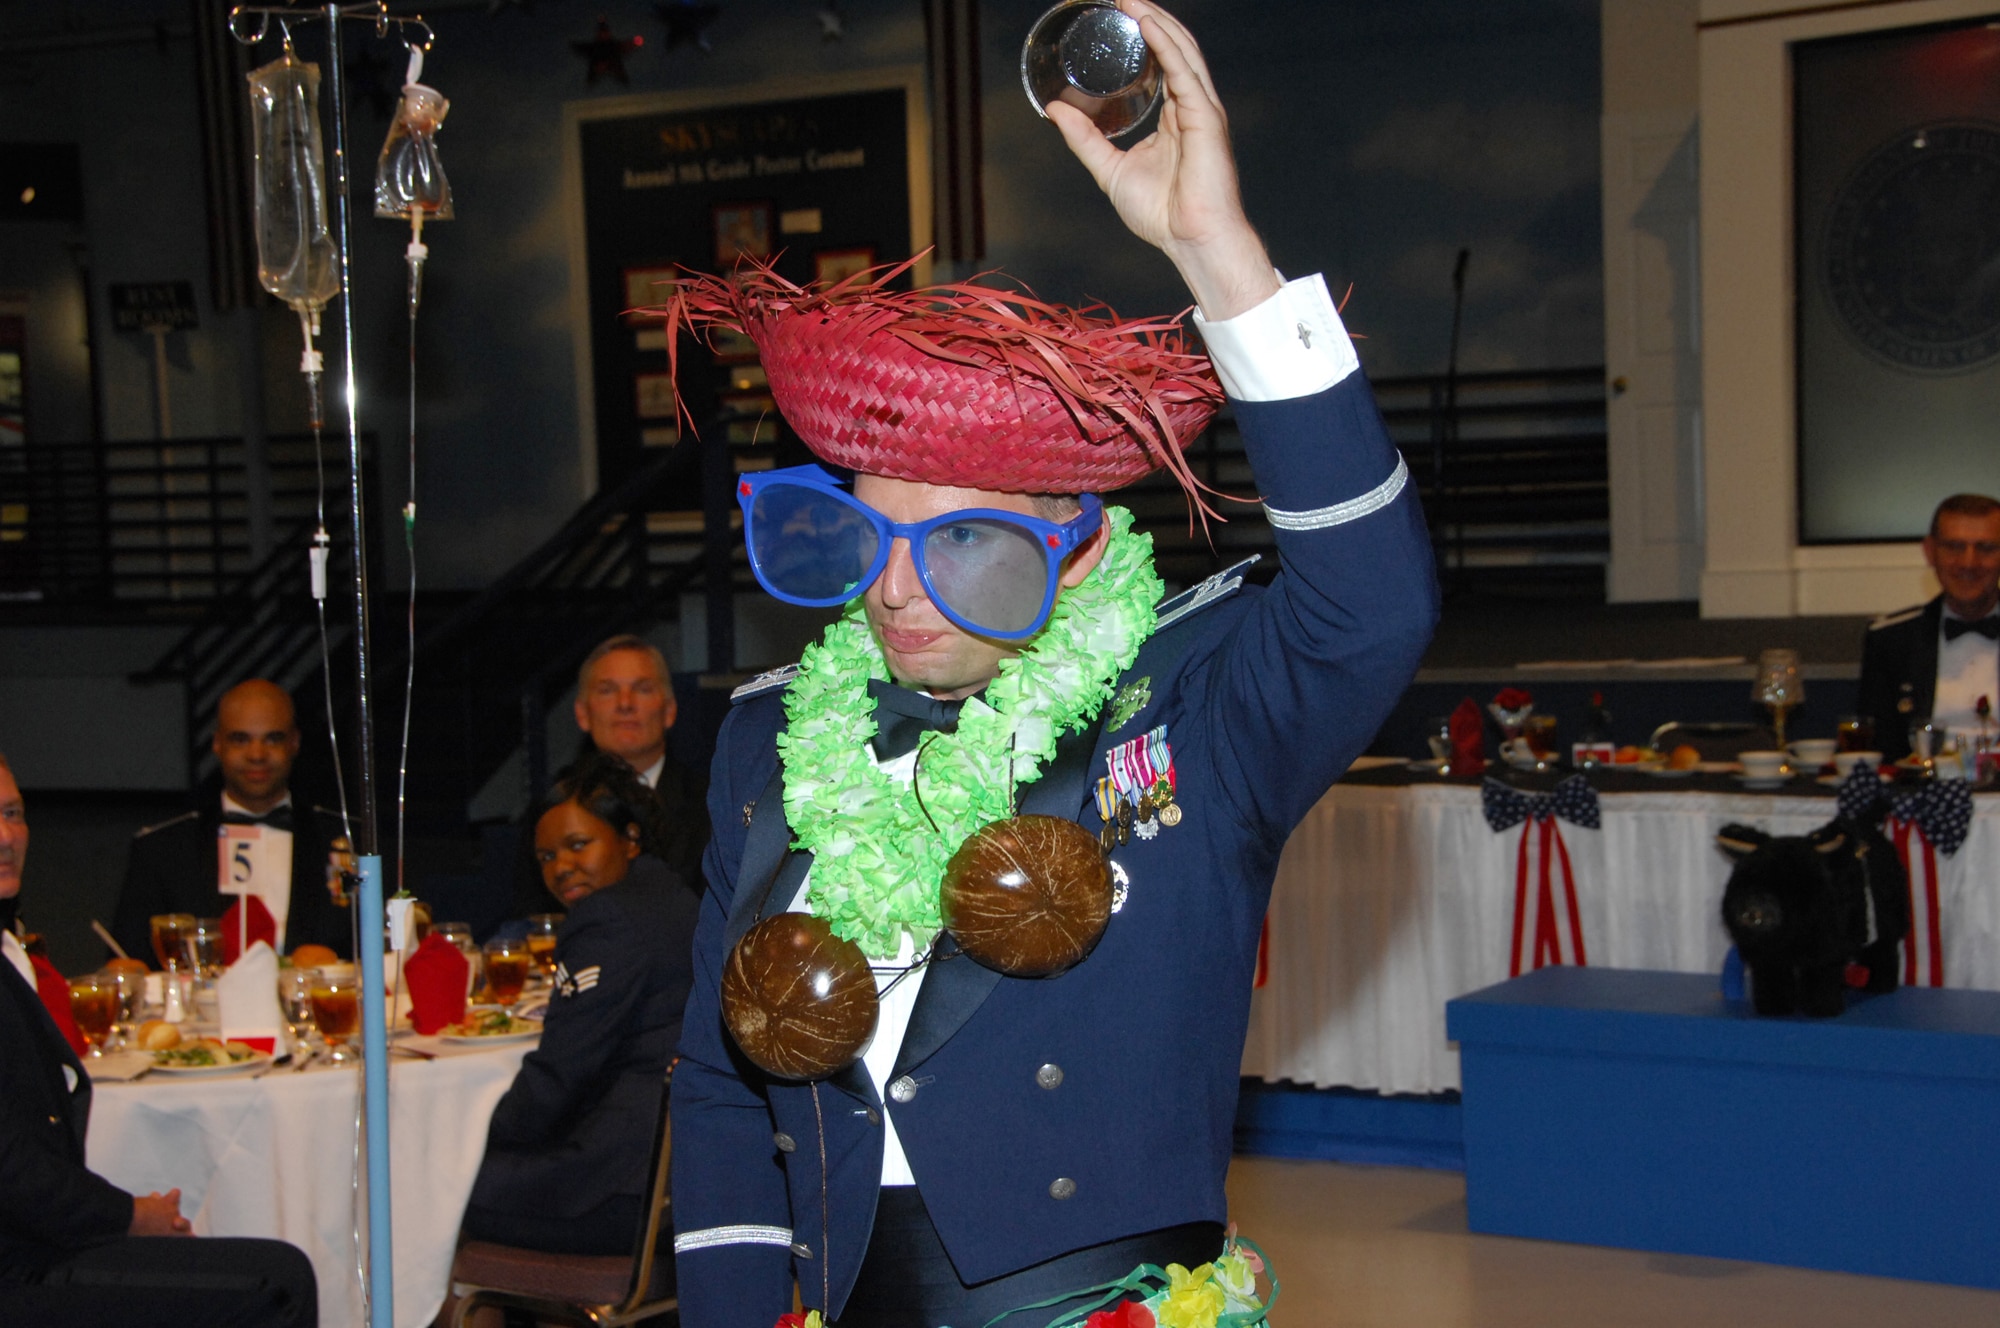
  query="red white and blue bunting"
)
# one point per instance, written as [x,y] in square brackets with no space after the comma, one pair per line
[1547,929]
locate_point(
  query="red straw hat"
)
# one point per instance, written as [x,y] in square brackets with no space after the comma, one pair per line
[963,385]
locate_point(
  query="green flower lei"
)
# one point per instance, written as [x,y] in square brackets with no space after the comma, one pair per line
[877,861]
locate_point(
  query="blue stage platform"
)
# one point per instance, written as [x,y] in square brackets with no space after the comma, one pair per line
[1637,1109]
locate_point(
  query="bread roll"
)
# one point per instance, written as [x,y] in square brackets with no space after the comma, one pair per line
[158,1035]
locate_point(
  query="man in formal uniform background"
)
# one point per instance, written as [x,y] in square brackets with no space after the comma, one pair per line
[1936,660]
[625,707]
[1002,1141]
[174,866]
[75,1250]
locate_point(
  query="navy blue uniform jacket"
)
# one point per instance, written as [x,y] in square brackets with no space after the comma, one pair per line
[1267,697]
[50,1204]
[577,1126]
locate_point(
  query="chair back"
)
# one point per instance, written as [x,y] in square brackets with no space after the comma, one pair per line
[659,1204]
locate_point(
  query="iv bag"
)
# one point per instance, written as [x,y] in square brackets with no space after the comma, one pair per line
[295,254]
[409,176]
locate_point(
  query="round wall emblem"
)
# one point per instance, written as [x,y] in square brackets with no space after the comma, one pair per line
[1912,245]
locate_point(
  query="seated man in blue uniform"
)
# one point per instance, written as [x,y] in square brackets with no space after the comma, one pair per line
[1005,1141]
[75,1250]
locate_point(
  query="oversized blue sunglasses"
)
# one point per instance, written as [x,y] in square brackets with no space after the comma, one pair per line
[992,573]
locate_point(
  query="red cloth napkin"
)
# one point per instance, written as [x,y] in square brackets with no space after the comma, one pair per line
[1468,738]
[263,927]
[435,975]
[53,988]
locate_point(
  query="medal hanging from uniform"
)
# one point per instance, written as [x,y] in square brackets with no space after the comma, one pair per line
[1137,797]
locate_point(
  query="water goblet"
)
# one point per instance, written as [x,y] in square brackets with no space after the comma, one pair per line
[201,942]
[1779,687]
[460,935]
[295,1000]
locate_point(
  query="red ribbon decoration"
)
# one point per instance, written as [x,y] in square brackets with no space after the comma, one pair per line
[1263,955]
[1923,947]
[1545,946]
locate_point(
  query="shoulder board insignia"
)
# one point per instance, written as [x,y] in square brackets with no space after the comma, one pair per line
[1891,619]
[1220,586]
[142,832]
[765,682]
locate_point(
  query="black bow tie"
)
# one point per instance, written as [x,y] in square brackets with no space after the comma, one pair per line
[278,818]
[1988,627]
[903,717]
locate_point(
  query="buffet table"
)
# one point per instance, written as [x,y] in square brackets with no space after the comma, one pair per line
[1394,896]
[273,1155]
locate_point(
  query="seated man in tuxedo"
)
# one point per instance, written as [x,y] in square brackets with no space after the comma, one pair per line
[625,706]
[1939,659]
[175,866]
[75,1250]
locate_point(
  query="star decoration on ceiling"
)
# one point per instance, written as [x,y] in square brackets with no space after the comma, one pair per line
[687,22]
[606,52]
[830,26]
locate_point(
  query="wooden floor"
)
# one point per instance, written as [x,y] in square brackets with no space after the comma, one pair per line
[1387,1247]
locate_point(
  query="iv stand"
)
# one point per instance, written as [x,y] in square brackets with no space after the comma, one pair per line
[368,904]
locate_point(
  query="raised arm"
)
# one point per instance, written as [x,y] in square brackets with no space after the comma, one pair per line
[1177,188]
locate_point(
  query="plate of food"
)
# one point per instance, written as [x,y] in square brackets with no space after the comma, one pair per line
[209,1056]
[491,1027]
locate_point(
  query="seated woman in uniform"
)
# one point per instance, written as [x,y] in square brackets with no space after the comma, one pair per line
[567,1152]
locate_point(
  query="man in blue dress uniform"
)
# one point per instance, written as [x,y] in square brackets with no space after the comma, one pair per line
[1007,1141]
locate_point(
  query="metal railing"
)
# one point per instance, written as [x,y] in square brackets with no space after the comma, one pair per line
[151,525]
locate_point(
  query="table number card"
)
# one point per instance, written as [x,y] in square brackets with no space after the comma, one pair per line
[256,860]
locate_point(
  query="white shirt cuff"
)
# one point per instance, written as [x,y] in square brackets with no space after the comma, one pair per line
[1291,345]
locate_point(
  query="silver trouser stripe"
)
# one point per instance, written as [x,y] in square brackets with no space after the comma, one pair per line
[709,1237]
[1353,509]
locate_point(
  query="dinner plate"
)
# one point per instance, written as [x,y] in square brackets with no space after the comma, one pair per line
[256,1062]
[1774,782]
[1667,771]
[490,1040]
[1718,767]
[1430,766]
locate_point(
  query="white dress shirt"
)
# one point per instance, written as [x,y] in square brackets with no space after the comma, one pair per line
[650,776]
[10,945]
[1968,669]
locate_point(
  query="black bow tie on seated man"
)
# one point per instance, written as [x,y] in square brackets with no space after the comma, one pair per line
[903,717]
[278,818]
[1988,627]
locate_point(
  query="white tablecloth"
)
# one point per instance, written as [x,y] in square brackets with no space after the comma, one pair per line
[273,1156]
[1391,901]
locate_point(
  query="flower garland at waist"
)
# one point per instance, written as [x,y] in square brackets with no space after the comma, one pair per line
[877,860]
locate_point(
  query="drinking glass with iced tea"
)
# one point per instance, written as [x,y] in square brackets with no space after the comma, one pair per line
[336,1010]
[93,1003]
[169,947]
[542,929]
[507,965]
